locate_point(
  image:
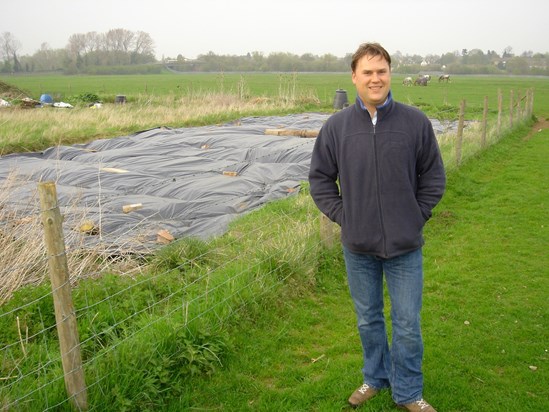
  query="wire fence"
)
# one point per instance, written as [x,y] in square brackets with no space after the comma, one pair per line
[69,317]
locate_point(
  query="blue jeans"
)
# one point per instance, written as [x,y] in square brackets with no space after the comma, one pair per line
[400,366]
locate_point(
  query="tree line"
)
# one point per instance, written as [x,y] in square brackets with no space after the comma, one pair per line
[121,51]
[116,47]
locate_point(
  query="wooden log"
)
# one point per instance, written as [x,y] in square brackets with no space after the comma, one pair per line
[164,237]
[292,132]
[113,170]
[132,207]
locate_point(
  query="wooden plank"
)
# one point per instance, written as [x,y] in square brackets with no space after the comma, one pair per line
[113,170]
[164,237]
[132,207]
[293,132]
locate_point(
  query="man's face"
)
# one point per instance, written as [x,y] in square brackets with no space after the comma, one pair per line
[372,79]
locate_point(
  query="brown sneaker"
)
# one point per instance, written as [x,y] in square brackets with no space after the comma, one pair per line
[362,394]
[418,406]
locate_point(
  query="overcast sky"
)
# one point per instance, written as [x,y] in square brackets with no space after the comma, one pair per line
[236,27]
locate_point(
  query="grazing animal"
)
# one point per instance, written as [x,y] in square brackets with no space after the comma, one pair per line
[444,78]
[427,76]
[421,81]
[407,81]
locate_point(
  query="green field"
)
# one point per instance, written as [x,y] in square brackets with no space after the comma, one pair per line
[324,85]
[260,318]
[180,100]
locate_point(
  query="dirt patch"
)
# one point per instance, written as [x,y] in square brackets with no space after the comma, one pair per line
[537,127]
[7,91]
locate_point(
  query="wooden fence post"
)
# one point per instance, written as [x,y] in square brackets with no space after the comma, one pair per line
[327,235]
[500,108]
[459,137]
[531,112]
[511,98]
[519,108]
[528,106]
[484,121]
[69,342]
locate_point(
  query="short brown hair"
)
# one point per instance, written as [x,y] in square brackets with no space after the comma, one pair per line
[369,49]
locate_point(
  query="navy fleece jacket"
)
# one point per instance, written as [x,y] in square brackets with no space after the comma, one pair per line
[379,183]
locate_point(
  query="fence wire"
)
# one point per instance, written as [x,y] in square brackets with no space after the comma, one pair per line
[119,298]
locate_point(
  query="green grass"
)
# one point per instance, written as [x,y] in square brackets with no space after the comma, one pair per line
[280,335]
[209,98]
[260,319]
[437,95]
[485,316]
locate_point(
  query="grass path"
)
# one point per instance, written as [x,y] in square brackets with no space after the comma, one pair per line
[485,316]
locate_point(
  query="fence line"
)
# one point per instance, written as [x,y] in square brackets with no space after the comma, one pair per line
[217,290]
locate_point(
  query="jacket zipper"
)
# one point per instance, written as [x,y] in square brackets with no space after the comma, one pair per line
[378,189]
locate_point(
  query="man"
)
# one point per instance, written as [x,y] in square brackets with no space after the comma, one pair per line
[376,170]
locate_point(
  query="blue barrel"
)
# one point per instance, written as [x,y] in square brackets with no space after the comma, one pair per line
[46,98]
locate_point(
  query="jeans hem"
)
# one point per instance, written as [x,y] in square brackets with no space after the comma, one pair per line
[401,403]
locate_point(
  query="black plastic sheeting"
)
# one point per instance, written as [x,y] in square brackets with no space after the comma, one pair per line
[189,181]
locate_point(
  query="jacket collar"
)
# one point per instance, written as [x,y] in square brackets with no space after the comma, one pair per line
[381,108]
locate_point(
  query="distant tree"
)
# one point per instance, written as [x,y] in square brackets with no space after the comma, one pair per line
[16,65]
[116,47]
[143,48]
[6,67]
[507,52]
[476,56]
[432,59]
[329,63]
[517,65]
[93,41]
[77,46]
[44,59]
[119,40]
[307,57]
[89,52]
[448,58]
[492,55]
[9,46]
[416,59]
[347,60]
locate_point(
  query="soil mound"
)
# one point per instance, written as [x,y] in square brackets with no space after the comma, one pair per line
[7,91]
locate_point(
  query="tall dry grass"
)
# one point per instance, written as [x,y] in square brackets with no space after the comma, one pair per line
[36,129]
[23,256]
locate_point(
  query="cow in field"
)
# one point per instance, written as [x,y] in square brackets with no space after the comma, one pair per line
[407,81]
[421,81]
[444,78]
